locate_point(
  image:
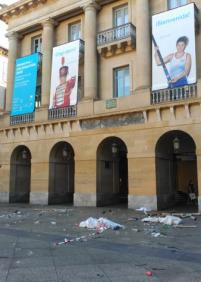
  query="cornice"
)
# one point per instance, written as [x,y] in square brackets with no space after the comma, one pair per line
[18,8]
[23,6]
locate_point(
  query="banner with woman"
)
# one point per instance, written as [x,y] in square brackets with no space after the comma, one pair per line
[173,48]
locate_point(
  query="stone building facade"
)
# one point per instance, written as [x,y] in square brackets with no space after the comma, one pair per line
[122,142]
[3,76]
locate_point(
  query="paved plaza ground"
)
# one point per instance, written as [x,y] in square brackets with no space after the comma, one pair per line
[29,249]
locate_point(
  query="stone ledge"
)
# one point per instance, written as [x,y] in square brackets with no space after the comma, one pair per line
[135,202]
[4,197]
[39,198]
[84,200]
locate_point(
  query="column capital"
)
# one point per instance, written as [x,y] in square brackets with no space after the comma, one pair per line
[13,35]
[92,4]
[49,22]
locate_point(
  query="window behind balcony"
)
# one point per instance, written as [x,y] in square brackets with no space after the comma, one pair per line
[36,44]
[74,31]
[176,3]
[121,82]
[120,15]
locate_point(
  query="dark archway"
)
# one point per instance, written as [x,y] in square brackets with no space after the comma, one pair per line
[20,175]
[112,172]
[61,174]
[176,165]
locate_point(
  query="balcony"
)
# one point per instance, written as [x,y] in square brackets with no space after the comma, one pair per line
[116,40]
[21,119]
[62,113]
[176,94]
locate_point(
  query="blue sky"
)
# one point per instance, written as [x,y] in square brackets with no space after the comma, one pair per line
[3,27]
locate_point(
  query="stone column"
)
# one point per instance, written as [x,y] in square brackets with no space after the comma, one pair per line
[90,53]
[198,153]
[47,46]
[143,44]
[13,39]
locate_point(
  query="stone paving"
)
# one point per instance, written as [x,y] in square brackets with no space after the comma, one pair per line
[28,251]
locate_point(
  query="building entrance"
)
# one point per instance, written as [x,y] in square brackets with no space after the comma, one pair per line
[176,171]
[112,172]
[20,175]
[61,174]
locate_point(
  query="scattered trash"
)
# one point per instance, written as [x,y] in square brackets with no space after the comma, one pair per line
[100,275]
[133,218]
[135,229]
[148,273]
[144,209]
[184,215]
[169,220]
[156,234]
[79,239]
[30,253]
[151,219]
[185,226]
[18,212]
[100,224]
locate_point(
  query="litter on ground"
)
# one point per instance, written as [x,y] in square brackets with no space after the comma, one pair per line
[169,220]
[100,224]
[144,209]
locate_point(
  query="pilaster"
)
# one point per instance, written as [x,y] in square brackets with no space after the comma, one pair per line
[143,44]
[47,46]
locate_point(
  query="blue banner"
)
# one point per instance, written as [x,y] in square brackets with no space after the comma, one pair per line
[24,92]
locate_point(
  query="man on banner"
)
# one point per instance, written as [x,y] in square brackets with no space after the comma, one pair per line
[63,91]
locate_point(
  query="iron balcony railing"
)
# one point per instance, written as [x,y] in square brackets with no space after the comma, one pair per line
[116,33]
[168,95]
[62,112]
[20,119]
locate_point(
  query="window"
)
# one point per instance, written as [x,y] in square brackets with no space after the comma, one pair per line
[37,44]
[38,96]
[176,3]
[74,31]
[120,16]
[121,82]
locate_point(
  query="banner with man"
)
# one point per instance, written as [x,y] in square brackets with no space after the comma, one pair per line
[64,78]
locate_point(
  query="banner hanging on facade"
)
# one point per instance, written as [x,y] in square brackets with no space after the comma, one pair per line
[64,79]
[25,82]
[173,48]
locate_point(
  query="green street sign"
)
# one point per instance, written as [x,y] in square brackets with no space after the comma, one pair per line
[111,103]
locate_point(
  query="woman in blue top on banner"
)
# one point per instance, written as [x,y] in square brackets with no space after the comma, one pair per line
[179,63]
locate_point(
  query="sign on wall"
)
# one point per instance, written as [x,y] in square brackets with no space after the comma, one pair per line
[64,79]
[173,48]
[25,82]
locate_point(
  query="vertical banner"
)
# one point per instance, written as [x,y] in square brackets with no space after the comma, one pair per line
[25,82]
[64,79]
[173,48]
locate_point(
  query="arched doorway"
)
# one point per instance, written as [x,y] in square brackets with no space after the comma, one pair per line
[176,166]
[112,172]
[20,175]
[61,174]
